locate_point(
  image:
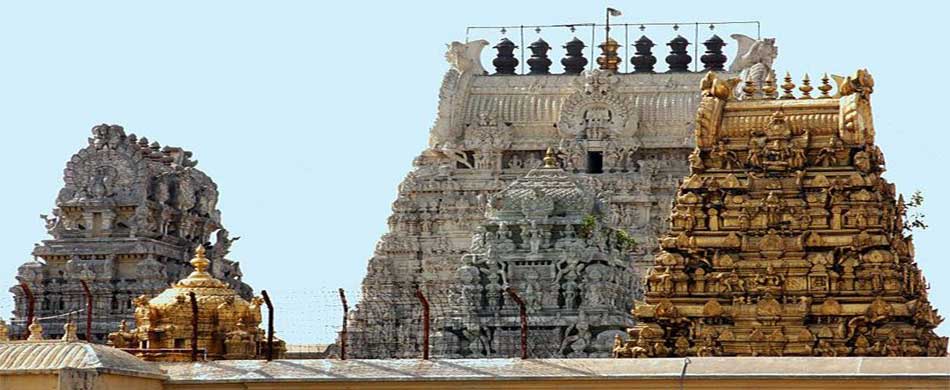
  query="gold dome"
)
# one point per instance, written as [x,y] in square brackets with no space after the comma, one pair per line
[165,321]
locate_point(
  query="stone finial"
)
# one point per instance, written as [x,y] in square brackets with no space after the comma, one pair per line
[36,331]
[69,332]
[574,61]
[788,86]
[549,160]
[806,87]
[4,331]
[539,63]
[608,59]
[505,62]
[643,59]
[713,59]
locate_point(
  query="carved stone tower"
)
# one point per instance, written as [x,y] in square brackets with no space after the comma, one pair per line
[126,223]
[546,236]
[623,136]
[786,239]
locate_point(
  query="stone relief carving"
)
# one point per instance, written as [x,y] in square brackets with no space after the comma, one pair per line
[126,220]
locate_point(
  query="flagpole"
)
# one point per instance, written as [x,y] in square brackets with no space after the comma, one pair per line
[607,27]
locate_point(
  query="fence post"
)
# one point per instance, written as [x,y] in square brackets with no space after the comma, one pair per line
[523,313]
[425,323]
[30,302]
[85,288]
[194,326]
[270,325]
[346,310]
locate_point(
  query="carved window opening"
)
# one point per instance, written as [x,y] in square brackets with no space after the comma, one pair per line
[595,162]
[469,157]
[179,343]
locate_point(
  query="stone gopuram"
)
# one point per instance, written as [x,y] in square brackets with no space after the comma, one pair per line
[785,239]
[126,222]
[626,135]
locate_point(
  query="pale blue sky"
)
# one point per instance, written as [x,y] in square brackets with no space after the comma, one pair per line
[308,114]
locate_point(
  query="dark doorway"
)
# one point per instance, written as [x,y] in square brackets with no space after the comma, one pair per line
[595,162]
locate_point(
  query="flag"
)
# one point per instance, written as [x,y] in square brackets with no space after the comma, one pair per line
[614,12]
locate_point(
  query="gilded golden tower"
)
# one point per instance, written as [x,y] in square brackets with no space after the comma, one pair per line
[785,239]
[228,325]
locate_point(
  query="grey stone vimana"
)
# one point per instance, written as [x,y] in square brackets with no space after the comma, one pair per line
[127,220]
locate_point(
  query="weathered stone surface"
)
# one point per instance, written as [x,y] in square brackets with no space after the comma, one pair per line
[127,220]
[626,135]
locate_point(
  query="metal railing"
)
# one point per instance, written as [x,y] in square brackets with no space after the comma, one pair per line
[596,29]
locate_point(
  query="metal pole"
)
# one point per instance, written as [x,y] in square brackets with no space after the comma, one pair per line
[194,326]
[30,302]
[524,321]
[522,48]
[696,47]
[593,43]
[85,288]
[425,323]
[346,309]
[686,362]
[270,325]
[626,48]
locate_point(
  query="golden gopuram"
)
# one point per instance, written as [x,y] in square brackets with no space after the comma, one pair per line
[228,325]
[785,239]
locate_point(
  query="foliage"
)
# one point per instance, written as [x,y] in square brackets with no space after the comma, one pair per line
[625,242]
[915,216]
[588,224]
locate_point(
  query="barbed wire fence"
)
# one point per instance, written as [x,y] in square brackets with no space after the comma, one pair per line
[384,321]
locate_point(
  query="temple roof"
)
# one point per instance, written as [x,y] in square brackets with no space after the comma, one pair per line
[326,370]
[54,355]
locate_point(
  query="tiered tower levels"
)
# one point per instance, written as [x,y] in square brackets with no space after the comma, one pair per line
[626,135]
[785,239]
[126,221]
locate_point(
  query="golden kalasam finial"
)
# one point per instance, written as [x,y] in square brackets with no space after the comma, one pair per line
[806,88]
[825,87]
[608,59]
[768,87]
[748,89]
[200,262]
[549,160]
[788,86]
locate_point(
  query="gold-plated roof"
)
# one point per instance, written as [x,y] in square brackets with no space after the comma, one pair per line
[199,282]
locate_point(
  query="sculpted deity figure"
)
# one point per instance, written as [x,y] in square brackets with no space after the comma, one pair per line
[827,156]
[727,158]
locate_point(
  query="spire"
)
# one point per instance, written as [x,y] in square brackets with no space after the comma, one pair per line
[549,160]
[200,262]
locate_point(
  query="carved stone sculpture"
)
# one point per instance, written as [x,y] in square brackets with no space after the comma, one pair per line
[626,137]
[814,267]
[125,222]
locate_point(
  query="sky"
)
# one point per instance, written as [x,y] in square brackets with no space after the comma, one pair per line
[308,114]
